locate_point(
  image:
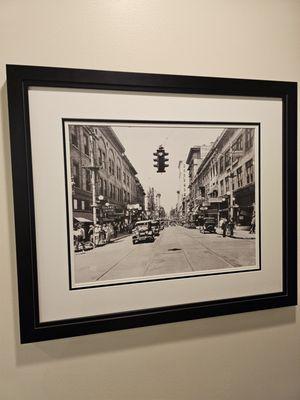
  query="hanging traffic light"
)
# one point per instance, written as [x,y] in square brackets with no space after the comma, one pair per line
[160,159]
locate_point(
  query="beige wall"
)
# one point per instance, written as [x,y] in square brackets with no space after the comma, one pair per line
[247,356]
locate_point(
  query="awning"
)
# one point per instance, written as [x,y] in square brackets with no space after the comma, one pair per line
[215,200]
[81,219]
[133,206]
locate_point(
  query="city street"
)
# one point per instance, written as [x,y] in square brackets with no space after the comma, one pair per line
[176,250]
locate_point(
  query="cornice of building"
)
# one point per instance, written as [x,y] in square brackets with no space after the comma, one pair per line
[110,135]
[129,165]
[194,149]
[215,149]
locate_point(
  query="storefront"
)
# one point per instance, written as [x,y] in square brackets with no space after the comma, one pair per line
[245,199]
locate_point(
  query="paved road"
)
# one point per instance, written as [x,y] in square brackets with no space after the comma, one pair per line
[177,249]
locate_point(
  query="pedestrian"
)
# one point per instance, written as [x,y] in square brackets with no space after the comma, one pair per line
[107,233]
[115,229]
[111,229]
[252,226]
[223,226]
[96,235]
[91,233]
[201,224]
[230,227]
[101,235]
[80,235]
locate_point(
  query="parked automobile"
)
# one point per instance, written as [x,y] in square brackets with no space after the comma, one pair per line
[155,227]
[142,232]
[208,225]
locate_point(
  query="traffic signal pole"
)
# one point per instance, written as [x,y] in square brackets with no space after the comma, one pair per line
[160,159]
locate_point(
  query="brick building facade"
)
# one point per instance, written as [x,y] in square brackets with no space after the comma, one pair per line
[116,180]
[225,179]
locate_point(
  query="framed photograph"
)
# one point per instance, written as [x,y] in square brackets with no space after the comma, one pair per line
[143,199]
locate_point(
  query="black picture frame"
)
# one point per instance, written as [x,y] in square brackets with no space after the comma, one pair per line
[21,78]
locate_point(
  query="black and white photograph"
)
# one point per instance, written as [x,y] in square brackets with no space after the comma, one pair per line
[155,200]
[144,199]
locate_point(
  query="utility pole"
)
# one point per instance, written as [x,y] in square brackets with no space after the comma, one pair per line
[93,180]
[93,169]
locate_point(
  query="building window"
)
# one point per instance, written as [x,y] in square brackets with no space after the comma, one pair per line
[101,186]
[221,164]
[82,204]
[101,158]
[75,204]
[86,147]
[249,171]
[124,178]
[221,187]
[239,174]
[110,190]
[227,184]
[249,138]
[88,180]
[76,173]
[227,158]
[74,136]
[127,180]
[111,167]
[118,173]
[104,187]
[238,144]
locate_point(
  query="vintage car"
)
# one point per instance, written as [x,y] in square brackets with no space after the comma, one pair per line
[142,232]
[155,227]
[207,224]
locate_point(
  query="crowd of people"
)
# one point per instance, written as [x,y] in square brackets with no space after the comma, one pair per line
[86,237]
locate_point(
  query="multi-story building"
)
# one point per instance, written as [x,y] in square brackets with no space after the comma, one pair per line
[153,203]
[99,165]
[183,190]
[226,179]
[194,159]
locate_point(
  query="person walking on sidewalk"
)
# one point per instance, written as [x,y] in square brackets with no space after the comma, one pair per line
[252,226]
[107,233]
[223,226]
[230,226]
[96,235]
[115,226]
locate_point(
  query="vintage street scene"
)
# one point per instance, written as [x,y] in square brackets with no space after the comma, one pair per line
[159,201]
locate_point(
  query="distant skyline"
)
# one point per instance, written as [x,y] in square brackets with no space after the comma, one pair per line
[141,142]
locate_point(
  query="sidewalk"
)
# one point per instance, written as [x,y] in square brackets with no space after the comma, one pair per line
[238,234]
[120,236]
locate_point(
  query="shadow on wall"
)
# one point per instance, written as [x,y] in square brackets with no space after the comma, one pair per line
[152,336]
[132,338]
